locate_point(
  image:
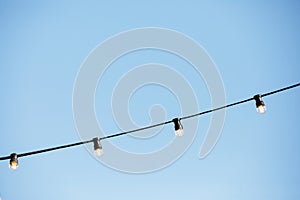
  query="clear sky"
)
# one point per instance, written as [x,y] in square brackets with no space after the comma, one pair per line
[255,46]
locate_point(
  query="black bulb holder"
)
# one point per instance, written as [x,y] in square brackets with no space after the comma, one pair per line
[96,143]
[258,100]
[177,124]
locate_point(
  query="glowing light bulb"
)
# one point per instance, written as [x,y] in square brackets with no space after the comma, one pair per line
[261,109]
[13,163]
[178,127]
[179,132]
[98,151]
[260,105]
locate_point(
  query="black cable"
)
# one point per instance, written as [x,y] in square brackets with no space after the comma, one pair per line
[53,148]
[215,109]
[148,127]
[135,130]
[280,90]
[48,149]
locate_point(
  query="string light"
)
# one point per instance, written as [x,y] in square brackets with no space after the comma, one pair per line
[260,106]
[178,127]
[13,163]
[97,147]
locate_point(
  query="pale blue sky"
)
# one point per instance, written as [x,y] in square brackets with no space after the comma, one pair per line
[255,46]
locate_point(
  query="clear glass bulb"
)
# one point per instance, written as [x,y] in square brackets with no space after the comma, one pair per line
[261,109]
[179,132]
[98,152]
[13,165]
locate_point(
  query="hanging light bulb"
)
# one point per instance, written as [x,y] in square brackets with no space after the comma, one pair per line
[178,127]
[13,163]
[260,105]
[97,147]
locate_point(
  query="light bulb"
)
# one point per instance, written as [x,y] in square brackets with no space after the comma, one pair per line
[261,109]
[178,127]
[13,163]
[98,152]
[179,132]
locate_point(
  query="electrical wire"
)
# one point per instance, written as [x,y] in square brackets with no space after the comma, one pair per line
[150,126]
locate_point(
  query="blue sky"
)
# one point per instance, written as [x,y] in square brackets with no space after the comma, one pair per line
[255,46]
